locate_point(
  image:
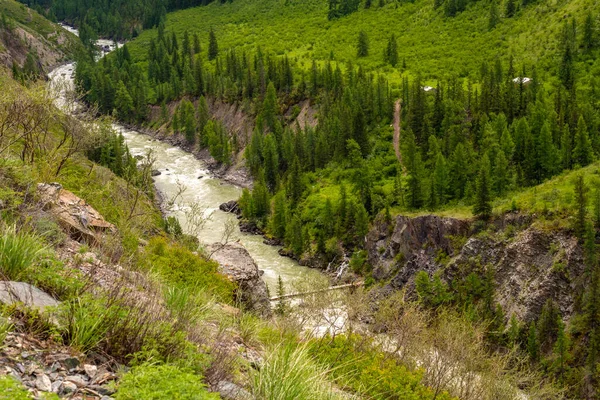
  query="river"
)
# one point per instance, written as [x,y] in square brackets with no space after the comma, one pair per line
[181,169]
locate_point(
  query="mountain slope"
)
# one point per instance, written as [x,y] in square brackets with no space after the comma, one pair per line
[430,43]
[24,31]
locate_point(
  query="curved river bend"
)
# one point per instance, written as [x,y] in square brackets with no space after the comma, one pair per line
[179,168]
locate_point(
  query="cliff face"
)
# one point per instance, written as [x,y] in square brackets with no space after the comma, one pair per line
[530,264]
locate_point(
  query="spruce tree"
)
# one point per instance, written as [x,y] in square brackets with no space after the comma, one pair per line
[533,344]
[278,219]
[213,46]
[271,162]
[511,8]
[494,17]
[362,46]
[270,108]
[566,147]
[589,32]
[561,352]
[202,117]
[502,174]
[582,153]
[580,189]
[548,156]
[513,331]
[483,198]
[391,51]
[281,308]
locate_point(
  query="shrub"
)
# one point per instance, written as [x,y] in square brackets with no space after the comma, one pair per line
[18,251]
[289,372]
[10,389]
[358,366]
[87,322]
[178,266]
[161,382]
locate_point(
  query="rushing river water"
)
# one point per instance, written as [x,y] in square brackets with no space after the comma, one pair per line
[181,169]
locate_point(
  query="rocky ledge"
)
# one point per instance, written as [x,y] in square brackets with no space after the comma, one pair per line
[235,262]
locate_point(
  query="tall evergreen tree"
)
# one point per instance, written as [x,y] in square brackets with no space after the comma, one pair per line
[391,51]
[271,162]
[533,344]
[511,8]
[483,197]
[582,153]
[362,46]
[494,17]
[213,46]
[581,190]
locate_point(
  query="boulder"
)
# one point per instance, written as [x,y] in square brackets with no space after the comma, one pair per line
[82,222]
[231,207]
[155,172]
[235,262]
[21,292]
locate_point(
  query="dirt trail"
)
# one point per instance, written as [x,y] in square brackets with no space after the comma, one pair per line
[397,122]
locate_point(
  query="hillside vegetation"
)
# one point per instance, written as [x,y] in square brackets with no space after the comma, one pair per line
[31,42]
[429,43]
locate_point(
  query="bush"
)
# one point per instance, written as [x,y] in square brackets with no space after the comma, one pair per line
[87,323]
[161,382]
[361,368]
[18,251]
[178,266]
[289,372]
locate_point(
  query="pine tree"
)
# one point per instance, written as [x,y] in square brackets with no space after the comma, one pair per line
[511,8]
[548,156]
[391,51]
[362,46]
[581,206]
[483,199]
[561,352]
[271,162]
[494,17]
[294,236]
[269,108]
[502,174]
[582,153]
[281,308]
[533,344]
[123,102]
[278,219]
[295,186]
[202,116]
[589,32]
[213,46]
[513,330]
[566,147]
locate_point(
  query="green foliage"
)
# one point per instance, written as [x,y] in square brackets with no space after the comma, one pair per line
[178,266]
[289,372]
[432,292]
[358,366]
[19,251]
[161,382]
[87,322]
[11,389]
[362,46]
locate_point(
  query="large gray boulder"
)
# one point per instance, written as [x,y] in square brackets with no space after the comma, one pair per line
[20,292]
[235,262]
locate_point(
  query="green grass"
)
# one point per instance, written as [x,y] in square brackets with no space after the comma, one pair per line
[18,252]
[289,372]
[161,382]
[433,45]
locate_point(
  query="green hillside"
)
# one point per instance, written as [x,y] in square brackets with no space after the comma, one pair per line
[430,43]
[24,32]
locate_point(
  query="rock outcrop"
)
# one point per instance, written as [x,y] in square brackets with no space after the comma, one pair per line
[77,218]
[399,248]
[533,266]
[235,262]
[530,265]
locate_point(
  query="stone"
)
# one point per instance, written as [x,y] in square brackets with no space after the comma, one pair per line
[90,370]
[231,391]
[77,380]
[68,387]
[155,172]
[78,219]
[235,262]
[43,383]
[70,363]
[103,390]
[200,177]
[20,292]
[56,386]
[231,206]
